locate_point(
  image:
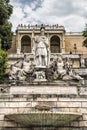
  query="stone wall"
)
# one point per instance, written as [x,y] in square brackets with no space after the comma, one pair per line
[13,49]
[62,97]
[70,40]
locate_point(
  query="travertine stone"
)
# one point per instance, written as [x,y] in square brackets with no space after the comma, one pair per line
[84,117]
[83,91]
[83,110]
[84,104]
[47,99]
[75,128]
[1,117]
[66,128]
[63,128]
[69,104]
[64,109]
[7,124]
[78,99]
[76,109]
[83,123]
[8,110]
[74,124]
[12,104]
[44,90]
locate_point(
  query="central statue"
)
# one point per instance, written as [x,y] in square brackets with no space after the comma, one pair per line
[41,49]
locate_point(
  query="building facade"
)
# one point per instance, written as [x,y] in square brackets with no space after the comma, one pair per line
[60,41]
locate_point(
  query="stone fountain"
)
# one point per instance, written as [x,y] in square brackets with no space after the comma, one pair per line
[44,119]
[43,77]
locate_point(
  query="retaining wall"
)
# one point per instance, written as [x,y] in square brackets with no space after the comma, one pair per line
[22,99]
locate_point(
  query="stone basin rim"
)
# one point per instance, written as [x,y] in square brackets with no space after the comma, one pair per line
[46,112]
[43,118]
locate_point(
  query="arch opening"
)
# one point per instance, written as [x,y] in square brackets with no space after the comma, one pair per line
[26,44]
[55,44]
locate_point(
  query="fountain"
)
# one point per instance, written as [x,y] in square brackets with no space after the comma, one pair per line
[43,115]
[39,73]
[44,119]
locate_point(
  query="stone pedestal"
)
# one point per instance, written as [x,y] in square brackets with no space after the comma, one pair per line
[18,51]
[40,74]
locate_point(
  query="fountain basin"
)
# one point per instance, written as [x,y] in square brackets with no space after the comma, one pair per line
[44,118]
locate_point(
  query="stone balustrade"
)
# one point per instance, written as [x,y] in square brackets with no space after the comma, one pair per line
[21,55]
[37,27]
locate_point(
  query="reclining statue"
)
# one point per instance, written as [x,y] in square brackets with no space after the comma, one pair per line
[20,69]
[63,70]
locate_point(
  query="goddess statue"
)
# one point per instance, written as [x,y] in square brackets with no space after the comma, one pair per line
[41,49]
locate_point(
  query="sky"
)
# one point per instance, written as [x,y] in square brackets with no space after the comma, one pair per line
[72,14]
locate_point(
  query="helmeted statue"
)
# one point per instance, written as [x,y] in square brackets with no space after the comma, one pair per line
[41,49]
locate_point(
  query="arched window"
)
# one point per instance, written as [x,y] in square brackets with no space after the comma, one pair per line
[55,44]
[26,44]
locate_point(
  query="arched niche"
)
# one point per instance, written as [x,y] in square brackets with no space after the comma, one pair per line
[26,44]
[55,44]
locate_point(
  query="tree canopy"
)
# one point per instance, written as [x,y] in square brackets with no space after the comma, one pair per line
[5,25]
[3,63]
[85,36]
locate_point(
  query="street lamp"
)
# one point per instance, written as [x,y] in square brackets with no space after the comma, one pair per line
[75,48]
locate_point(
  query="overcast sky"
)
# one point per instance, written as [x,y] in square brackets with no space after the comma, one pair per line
[72,14]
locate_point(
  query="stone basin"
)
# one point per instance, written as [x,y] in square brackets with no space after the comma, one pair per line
[44,118]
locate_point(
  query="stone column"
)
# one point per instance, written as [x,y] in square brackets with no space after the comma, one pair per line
[48,36]
[32,40]
[82,62]
[18,44]
[48,39]
[63,44]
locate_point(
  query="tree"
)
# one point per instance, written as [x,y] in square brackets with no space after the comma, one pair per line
[3,64]
[85,36]
[5,25]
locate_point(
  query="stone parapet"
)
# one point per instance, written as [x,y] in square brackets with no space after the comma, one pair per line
[37,27]
[58,90]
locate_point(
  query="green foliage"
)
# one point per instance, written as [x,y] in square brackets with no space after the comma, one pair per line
[3,64]
[85,36]
[5,25]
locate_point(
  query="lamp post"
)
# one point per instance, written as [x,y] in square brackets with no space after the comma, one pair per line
[75,48]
